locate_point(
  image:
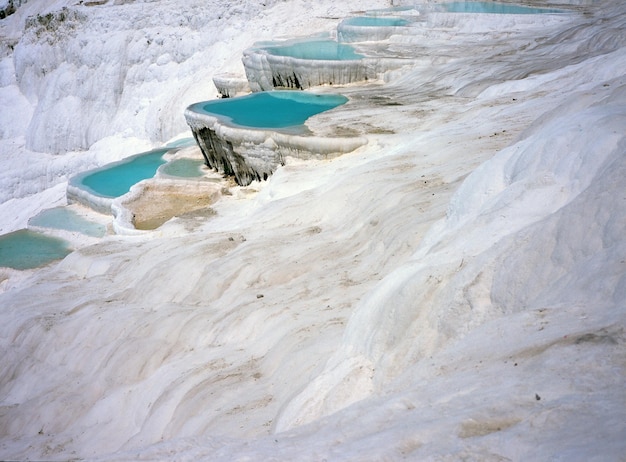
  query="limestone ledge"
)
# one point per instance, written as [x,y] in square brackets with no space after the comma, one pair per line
[266,71]
[473,23]
[230,85]
[348,33]
[254,154]
[78,195]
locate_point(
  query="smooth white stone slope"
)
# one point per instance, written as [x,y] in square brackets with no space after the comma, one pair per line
[453,291]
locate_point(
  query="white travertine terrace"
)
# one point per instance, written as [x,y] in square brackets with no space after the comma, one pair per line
[254,154]
[229,85]
[266,71]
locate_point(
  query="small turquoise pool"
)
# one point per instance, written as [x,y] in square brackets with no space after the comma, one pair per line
[181,143]
[493,8]
[393,9]
[116,179]
[67,219]
[270,109]
[184,168]
[26,249]
[376,21]
[322,50]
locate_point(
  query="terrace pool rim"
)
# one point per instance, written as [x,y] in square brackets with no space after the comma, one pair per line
[219,110]
[285,50]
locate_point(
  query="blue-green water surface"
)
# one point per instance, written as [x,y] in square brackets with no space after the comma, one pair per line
[181,143]
[270,109]
[116,179]
[376,21]
[493,8]
[184,168]
[26,249]
[322,50]
[393,9]
[67,219]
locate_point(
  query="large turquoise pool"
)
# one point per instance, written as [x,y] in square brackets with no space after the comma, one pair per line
[26,249]
[116,179]
[270,109]
[322,50]
[493,8]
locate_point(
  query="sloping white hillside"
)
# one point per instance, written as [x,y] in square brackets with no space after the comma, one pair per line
[454,290]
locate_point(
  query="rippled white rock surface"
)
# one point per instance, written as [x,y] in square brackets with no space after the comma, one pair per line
[455,290]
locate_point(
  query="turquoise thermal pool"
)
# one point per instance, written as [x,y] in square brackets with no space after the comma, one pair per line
[493,8]
[376,21]
[272,109]
[184,168]
[393,9]
[67,219]
[116,179]
[181,143]
[26,249]
[322,50]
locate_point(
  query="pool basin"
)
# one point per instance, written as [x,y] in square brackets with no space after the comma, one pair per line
[25,249]
[316,50]
[248,137]
[183,168]
[116,179]
[63,218]
[371,28]
[376,21]
[490,17]
[274,109]
[305,63]
[493,8]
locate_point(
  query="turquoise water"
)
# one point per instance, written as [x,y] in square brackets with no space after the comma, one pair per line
[26,249]
[323,50]
[493,8]
[393,9]
[185,168]
[67,219]
[181,143]
[373,21]
[116,179]
[270,109]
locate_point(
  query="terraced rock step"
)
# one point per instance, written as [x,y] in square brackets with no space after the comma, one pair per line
[249,137]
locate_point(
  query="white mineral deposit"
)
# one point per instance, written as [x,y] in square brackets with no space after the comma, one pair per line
[452,289]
